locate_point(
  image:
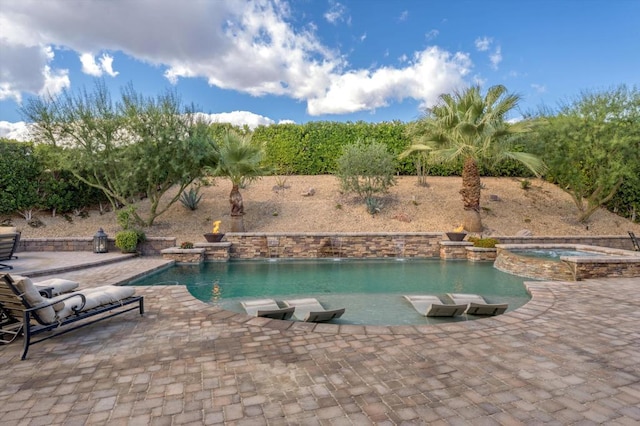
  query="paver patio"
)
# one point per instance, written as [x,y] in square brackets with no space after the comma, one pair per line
[570,356]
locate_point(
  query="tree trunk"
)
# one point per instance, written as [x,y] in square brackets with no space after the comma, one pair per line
[237,209]
[235,199]
[471,195]
[472,221]
[237,223]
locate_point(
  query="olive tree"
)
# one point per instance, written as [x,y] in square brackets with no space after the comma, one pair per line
[366,169]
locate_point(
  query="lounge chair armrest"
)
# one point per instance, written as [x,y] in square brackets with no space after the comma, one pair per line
[46,292]
[59,299]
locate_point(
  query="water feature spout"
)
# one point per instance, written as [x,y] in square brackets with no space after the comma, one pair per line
[336,246]
[399,244]
[273,246]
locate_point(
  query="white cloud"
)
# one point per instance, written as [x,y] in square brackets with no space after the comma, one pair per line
[245,46]
[335,13]
[432,34]
[483,43]
[91,67]
[55,81]
[238,118]
[17,131]
[431,73]
[403,16]
[539,88]
[496,58]
[106,63]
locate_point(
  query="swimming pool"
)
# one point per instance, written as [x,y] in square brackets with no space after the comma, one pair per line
[370,290]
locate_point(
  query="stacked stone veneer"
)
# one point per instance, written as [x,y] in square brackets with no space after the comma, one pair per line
[608,263]
[150,247]
[531,267]
[616,267]
[346,245]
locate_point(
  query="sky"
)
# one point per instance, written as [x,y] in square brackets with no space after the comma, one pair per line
[260,62]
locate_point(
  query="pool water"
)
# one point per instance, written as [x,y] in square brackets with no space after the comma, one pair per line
[553,253]
[370,290]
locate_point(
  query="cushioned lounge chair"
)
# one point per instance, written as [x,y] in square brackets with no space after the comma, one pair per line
[8,245]
[25,310]
[432,306]
[55,286]
[476,305]
[267,308]
[310,310]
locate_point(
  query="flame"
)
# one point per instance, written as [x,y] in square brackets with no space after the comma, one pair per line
[216,226]
[459,229]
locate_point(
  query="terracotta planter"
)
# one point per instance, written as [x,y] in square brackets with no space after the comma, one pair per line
[213,238]
[456,236]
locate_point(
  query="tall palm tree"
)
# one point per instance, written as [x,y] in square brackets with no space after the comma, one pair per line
[239,160]
[469,127]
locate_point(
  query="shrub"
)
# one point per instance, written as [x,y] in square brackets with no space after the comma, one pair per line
[525,184]
[127,241]
[186,245]
[484,242]
[19,178]
[374,205]
[191,199]
[126,218]
[366,169]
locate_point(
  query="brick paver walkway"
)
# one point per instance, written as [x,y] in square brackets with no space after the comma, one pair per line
[570,356]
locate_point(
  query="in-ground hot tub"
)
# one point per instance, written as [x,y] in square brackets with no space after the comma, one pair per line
[566,262]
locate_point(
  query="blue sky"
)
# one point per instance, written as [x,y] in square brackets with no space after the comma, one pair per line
[272,61]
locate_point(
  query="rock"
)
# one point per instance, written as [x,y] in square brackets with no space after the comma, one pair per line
[310,192]
[524,233]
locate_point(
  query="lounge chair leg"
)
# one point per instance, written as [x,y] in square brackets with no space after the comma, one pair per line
[141,307]
[27,335]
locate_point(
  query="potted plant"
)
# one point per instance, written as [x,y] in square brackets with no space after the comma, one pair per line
[216,235]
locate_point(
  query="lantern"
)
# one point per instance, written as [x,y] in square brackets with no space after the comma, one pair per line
[100,242]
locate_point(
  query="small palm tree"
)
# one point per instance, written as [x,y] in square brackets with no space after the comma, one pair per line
[469,127]
[238,160]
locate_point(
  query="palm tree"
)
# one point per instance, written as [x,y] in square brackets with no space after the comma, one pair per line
[469,127]
[238,160]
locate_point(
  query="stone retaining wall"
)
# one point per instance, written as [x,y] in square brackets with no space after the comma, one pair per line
[345,245]
[151,247]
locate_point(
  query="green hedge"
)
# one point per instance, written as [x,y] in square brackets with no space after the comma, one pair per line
[313,148]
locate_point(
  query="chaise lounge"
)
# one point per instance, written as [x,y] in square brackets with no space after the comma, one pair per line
[24,310]
[267,308]
[476,305]
[310,310]
[8,245]
[432,306]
